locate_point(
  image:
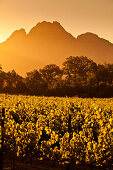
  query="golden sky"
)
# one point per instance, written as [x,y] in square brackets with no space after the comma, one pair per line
[76,16]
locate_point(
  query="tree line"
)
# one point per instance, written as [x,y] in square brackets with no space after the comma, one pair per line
[79,76]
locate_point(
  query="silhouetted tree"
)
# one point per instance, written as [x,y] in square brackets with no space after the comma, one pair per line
[109,70]
[51,74]
[2,78]
[13,83]
[79,71]
[104,80]
[79,76]
[0,67]
[34,83]
[102,74]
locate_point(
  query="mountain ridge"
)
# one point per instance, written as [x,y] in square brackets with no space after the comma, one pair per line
[49,43]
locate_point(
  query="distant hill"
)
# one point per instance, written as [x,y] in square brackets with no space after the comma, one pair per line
[50,43]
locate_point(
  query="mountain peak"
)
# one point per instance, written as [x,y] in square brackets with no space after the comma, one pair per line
[18,34]
[46,28]
[88,35]
[49,24]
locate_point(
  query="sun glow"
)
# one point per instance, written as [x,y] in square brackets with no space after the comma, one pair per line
[2,38]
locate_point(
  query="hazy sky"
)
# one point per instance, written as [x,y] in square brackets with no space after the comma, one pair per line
[76,16]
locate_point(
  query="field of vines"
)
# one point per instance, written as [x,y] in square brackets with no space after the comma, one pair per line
[62,129]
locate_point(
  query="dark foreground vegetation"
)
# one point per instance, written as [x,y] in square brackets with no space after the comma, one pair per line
[79,76]
[12,162]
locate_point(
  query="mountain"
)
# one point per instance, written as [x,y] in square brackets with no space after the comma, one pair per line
[50,43]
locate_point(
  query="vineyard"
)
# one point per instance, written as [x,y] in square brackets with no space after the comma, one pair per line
[62,129]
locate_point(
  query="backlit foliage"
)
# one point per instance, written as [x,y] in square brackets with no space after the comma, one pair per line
[38,127]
